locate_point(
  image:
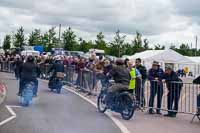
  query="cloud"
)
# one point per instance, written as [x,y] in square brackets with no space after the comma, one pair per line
[128,15]
[159,20]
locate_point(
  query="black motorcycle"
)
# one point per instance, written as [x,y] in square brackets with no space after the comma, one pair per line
[56,82]
[121,102]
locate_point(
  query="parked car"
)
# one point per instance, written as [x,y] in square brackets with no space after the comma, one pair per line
[76,53]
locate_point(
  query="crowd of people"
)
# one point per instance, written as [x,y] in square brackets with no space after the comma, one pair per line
[127,74]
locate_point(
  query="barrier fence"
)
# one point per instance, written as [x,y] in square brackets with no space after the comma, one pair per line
[7,66]
[173,96]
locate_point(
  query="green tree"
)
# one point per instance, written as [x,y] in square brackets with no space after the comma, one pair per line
[100,42]
[128,48]
[7,42]
[84,45]
[116,48]
[138,40]
[19,38]
[49,40]
[137,43]
[35,38]
[69,39]
[45,41]
[184,49]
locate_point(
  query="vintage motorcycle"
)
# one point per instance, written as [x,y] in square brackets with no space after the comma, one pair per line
[121,102]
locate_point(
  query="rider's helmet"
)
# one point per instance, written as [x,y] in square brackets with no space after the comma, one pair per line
[57,59]
[119,62]
[106,63]
[30,59]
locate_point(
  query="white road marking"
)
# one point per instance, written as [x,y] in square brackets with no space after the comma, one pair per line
[109,114]
[13,114]
[7,120]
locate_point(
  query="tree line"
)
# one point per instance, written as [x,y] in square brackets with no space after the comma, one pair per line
[70,42]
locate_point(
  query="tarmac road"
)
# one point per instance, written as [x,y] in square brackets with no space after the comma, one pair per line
[53,113]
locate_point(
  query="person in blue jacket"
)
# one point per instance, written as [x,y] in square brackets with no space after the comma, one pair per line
[155,75]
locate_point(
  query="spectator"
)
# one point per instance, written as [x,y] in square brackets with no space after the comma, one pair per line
[126,62]
[135,81]
[17,64]
[89,75]
[155,76]
[79,67]
[143,72]
[174,85]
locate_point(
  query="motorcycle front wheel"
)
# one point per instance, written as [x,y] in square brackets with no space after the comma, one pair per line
[128,110]
[101,104]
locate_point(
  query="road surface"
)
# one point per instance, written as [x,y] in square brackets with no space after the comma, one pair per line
[53,113]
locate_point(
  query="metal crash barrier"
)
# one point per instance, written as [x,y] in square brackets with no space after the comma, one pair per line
[174,96]
[7,66]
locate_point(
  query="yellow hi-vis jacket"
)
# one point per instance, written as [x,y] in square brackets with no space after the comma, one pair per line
[132,83]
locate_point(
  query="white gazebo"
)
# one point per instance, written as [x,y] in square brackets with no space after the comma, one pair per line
[196,67]
[164,57]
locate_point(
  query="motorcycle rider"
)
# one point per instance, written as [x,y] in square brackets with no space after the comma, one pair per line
[29,72]
[58,66]
[121,76]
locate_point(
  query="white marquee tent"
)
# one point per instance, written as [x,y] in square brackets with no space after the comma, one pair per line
[194,59]
[195,68]
[170,57]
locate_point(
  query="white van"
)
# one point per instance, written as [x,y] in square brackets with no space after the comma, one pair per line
[97,52]
[2,52]
[30,52]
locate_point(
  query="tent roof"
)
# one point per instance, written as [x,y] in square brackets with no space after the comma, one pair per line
[167,56]
[195,59]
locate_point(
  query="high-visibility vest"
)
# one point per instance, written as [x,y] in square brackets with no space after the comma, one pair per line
[132,83]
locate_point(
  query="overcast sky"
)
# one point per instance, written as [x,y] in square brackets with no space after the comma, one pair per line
[161,21]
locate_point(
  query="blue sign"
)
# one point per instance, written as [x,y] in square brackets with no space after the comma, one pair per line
[39,48]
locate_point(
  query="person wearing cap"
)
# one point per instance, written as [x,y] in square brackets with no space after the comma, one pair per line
[155,76]
[174,86]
